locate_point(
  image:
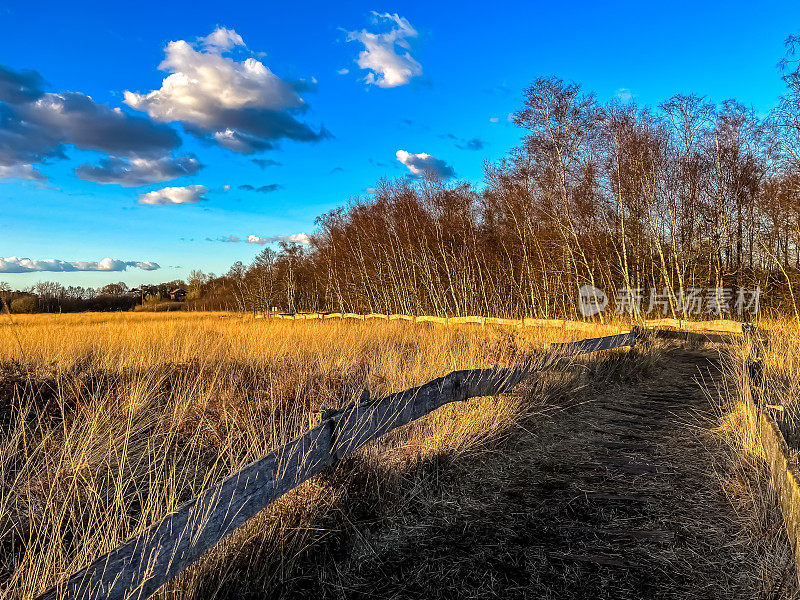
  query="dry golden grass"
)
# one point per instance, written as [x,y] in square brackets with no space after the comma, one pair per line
[110,421]
[781,381]
[747,482]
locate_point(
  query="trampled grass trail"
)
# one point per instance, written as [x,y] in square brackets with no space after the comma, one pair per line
[624,489]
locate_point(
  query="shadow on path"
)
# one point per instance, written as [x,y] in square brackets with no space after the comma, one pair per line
[617,497]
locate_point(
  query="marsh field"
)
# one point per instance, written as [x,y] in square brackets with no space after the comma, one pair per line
[109,421]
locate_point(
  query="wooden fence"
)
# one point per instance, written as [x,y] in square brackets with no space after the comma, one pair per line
[527,322]
[140,566]
[715,326]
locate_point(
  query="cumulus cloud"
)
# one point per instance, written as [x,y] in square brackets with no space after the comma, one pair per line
[20,171]
[424,164]
[175,195]
[78,120]
[295,238]
[20,86]
[246,187]
[222,39]
[242,106]
[36,125]
[18,264]
[386,55]
[241,142]
[145,265]
[231,238]
[139,171]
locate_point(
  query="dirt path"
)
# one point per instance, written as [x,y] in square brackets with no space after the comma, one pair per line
[618,497]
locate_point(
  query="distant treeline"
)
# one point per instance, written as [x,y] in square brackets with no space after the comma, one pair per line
[52,297]
[684,195]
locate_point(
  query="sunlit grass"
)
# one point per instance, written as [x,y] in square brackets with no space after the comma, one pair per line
[110,421]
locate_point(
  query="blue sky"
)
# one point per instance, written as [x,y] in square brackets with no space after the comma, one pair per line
[469,62]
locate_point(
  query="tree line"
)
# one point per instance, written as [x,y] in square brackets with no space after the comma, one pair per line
[53,297]
[686,195]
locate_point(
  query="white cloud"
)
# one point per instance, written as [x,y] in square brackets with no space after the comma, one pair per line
[222,39]
[174,195]
[20,171]
[424,164]
[203,84]
[243,106]
[343,71]
[295,238]
[494,120]
[380,56]
[146,265]
[18,264]
[139,171]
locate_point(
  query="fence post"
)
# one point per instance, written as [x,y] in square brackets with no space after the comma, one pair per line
[755,363]
[755,372]
[641,341]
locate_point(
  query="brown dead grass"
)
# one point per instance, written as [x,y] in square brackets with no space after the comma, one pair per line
[109,421]
[746,479]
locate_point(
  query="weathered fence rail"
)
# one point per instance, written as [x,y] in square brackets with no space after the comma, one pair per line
[725,326]
[137,568]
